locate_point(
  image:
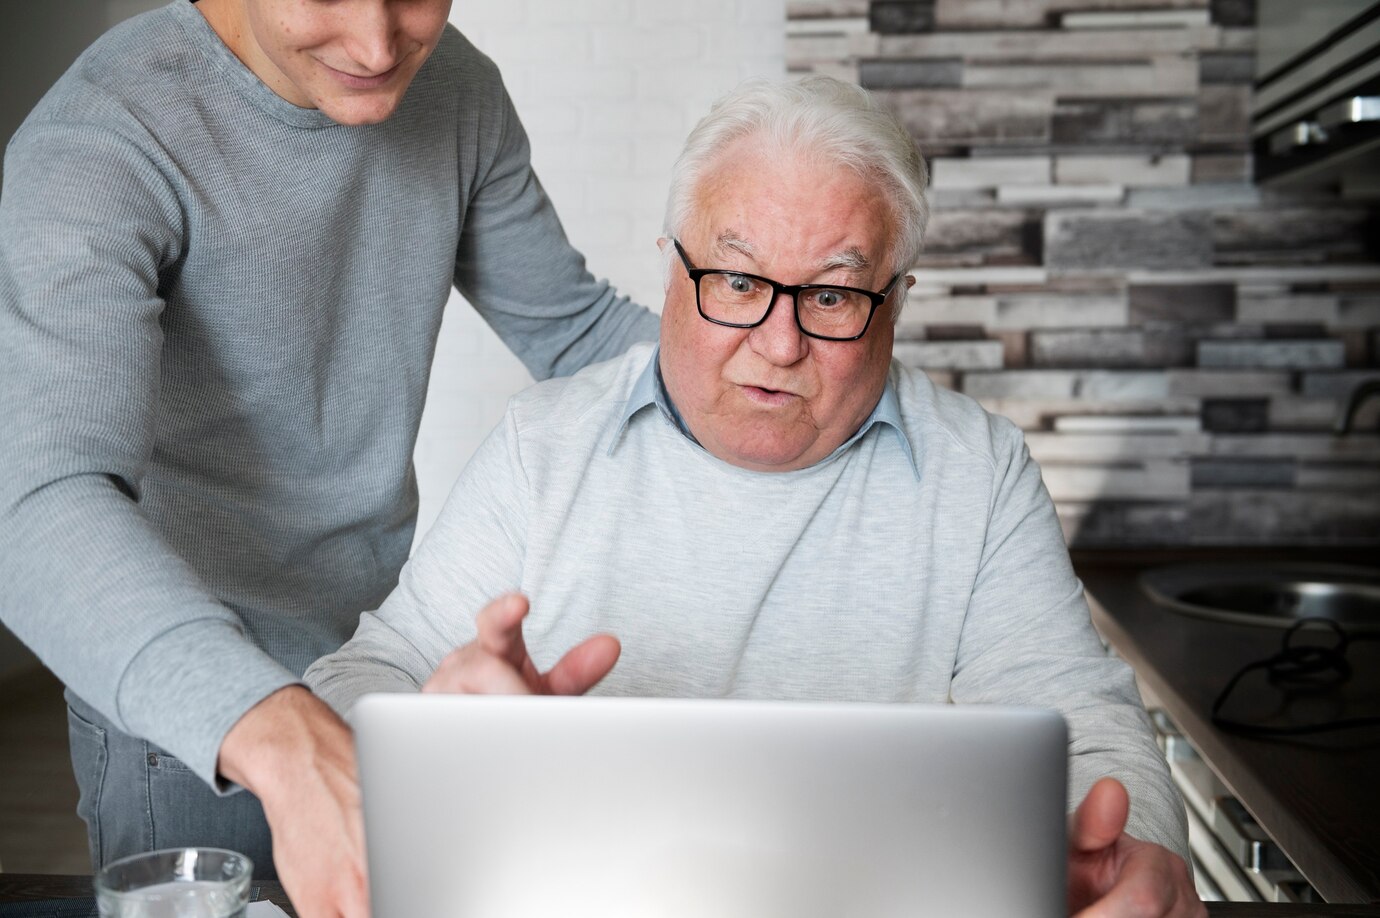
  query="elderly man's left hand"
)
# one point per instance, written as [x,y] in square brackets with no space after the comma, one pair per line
[1112,875]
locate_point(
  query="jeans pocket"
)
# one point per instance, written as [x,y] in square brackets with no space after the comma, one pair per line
[179,801]
[90,758]
[185,812]
[161,763]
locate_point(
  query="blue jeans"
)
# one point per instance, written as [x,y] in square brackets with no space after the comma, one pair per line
[136,797]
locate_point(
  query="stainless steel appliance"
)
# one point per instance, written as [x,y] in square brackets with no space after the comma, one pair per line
[1234,858]
[1316,115]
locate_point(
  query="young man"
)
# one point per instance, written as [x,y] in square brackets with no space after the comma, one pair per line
[226,238]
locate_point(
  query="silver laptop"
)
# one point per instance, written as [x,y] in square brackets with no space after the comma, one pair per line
[511,807]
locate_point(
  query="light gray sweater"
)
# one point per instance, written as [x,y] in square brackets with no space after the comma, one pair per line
[217,319]
[921,562]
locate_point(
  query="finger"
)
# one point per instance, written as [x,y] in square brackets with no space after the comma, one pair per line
[583,666]
[500,633]
[351,896]
[472,671]
[355,898]
[500,625]
[1100,818]
[445,679]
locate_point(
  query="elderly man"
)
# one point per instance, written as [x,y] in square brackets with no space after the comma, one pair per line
[767,506]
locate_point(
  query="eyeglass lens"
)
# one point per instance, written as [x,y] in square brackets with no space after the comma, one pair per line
[738,299]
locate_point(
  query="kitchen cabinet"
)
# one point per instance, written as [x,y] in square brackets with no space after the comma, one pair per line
[1317,796]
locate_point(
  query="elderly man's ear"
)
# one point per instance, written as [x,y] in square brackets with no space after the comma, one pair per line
[668,252]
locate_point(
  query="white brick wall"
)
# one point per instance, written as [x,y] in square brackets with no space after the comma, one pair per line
[607,90]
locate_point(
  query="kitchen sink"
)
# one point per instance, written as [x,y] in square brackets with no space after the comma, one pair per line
[1272,595]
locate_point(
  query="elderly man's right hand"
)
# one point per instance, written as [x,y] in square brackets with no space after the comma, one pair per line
[496,661]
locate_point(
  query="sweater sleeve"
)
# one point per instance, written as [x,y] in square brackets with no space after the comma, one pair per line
[1028,639]
[88,226]
[472,554]
[516,266]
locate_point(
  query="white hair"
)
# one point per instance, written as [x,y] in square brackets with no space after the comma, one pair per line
[820,117]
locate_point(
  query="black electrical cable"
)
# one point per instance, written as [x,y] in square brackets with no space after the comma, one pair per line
[1309,667]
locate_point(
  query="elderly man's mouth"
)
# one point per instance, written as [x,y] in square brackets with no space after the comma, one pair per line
[768,397]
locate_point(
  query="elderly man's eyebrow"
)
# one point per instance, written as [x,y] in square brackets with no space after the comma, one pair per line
[731,242]
[851,258]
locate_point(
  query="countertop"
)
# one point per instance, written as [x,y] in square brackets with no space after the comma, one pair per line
[1318,796]
[15,888]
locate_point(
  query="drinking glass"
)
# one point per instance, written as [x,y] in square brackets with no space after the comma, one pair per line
[176,883]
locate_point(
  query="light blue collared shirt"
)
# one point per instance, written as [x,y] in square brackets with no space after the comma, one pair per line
[650,389]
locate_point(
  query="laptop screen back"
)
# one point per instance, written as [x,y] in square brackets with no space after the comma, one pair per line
[507,807]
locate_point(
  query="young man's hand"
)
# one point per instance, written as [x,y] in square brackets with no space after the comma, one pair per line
[298,757]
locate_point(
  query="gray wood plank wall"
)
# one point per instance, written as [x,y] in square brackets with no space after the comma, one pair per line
[1176,341]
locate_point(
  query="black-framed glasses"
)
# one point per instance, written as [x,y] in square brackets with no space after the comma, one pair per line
[740,300]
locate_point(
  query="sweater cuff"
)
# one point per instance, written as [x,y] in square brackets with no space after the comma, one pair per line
[186,688]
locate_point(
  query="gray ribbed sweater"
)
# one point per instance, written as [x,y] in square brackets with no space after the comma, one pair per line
[217,318]
[850,580]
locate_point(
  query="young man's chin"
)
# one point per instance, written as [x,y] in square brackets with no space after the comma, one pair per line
[361,109]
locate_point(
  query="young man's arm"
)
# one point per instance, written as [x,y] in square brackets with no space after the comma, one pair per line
[88,226]
[516,266]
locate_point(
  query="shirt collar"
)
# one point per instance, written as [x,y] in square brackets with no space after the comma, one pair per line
[649,390]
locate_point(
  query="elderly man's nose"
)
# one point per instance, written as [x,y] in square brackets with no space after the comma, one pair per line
[779,338]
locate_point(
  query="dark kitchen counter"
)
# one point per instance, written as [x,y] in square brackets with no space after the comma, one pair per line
[19,892]
[1318,796]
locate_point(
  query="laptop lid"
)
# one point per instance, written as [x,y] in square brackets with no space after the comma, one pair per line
[516,807]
